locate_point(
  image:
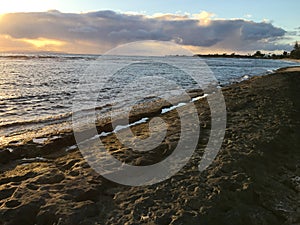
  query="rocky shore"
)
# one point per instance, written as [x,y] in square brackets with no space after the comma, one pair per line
[255,178]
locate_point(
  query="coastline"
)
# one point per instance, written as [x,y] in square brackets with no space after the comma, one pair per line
[54,118]
[288,69]
[290,60]
[255,176]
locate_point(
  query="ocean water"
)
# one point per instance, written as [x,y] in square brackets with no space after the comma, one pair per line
[37,92]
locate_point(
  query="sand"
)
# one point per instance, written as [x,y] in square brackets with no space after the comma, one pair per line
[289,69]
[291,60]
[255,178]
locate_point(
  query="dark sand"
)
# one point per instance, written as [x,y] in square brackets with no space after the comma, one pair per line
[255,179]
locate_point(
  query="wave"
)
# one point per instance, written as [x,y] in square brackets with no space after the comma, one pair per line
[36,97]
[60,57]
[51,119]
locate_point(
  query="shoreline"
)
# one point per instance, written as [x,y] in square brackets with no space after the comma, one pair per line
[49,132]
[254,177]
[288,69]
[290,60]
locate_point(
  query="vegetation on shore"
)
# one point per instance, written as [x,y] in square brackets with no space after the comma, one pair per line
[294,54]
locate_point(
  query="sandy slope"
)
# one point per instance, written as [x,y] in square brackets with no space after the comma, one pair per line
[290,69]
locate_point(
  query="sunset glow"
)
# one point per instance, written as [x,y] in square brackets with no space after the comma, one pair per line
[44,42]
[94,27]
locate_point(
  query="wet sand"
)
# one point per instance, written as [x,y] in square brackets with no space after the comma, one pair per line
[291,60]
[255,178]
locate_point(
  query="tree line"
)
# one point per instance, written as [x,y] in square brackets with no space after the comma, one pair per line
[294,54]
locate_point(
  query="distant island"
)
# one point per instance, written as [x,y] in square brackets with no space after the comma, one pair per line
[294,54]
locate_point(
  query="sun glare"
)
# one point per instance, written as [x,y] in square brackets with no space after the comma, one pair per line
[30,6]
[43,42]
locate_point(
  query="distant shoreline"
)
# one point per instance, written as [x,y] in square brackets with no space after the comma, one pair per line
[237,56]
[30,55]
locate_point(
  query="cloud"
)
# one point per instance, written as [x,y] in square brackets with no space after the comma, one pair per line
[9,44]
[258,31]
[248,16]
[96,32]
[204,18]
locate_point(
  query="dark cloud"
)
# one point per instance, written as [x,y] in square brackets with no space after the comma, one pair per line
[108,28]
[258,31]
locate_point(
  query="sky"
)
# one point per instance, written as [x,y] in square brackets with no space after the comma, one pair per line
[202,26]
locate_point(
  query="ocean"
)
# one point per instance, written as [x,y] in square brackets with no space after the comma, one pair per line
[37,92]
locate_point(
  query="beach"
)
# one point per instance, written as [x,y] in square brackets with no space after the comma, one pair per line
[255,178]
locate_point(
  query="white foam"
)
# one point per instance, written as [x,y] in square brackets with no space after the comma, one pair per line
[143,120]
[39,140]
[165,110]
[122,127]
[40,159]
[71,148]
[104,134]
[199,97]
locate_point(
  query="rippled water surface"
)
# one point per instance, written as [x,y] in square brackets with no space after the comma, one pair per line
[38,91]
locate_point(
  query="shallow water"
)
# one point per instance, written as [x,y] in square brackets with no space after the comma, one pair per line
[37,92]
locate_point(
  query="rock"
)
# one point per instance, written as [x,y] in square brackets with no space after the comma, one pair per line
[22,214]
[17,178]
[50,178]
[186,218]
[7,192]
[12,203]
[69,214]
[194,203]
[5,156]
[164,219]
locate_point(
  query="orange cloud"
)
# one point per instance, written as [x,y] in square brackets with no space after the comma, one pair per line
[8,43]
[44,42]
